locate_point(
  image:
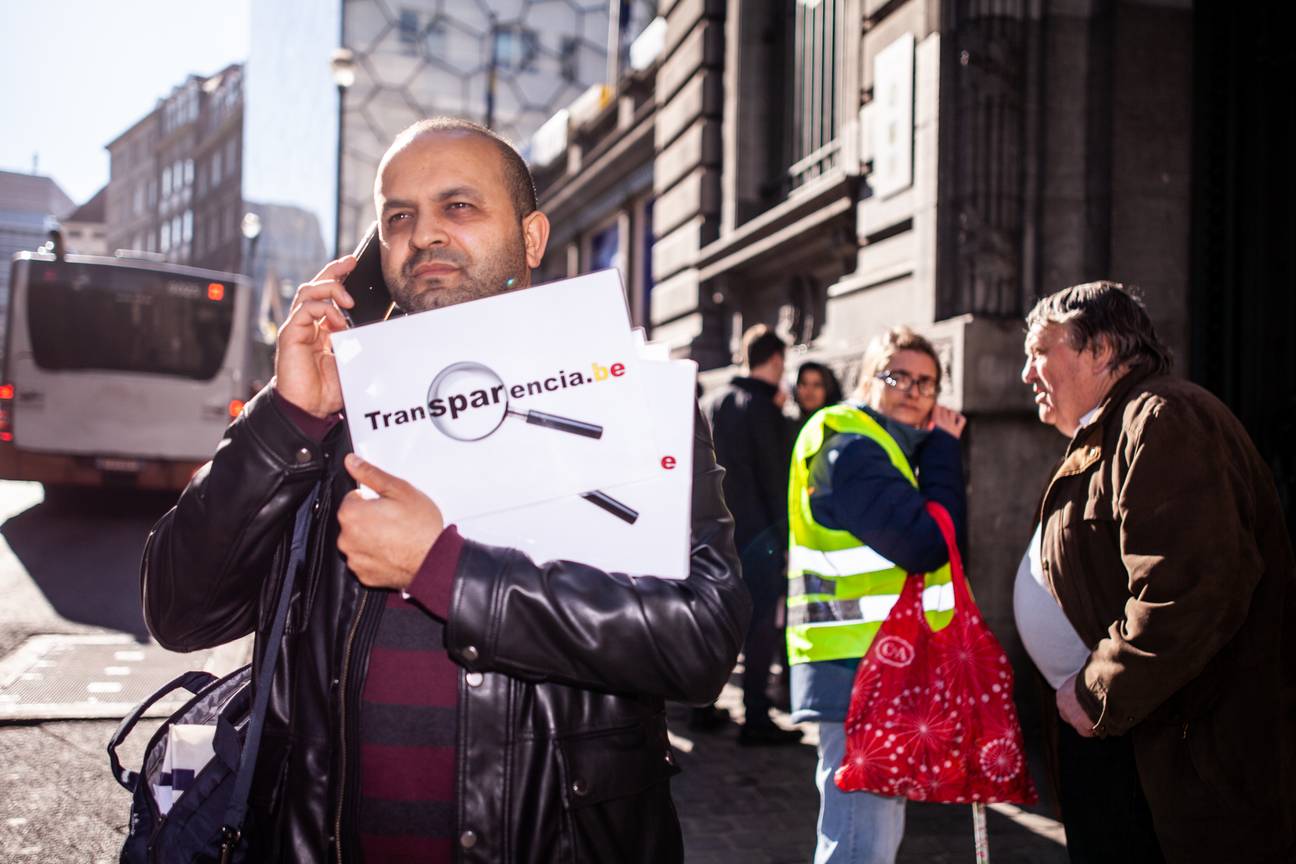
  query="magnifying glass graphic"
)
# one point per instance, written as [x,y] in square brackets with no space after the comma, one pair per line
[469,402]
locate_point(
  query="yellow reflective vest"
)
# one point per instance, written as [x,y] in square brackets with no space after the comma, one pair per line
[840,590]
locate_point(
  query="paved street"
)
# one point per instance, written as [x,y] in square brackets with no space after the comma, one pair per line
[69,567]
[756,805]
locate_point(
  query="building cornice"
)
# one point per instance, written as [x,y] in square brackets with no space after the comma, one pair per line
[817,203]
[633,149]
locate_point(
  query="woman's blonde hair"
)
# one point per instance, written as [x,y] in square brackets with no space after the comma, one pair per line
[879,354]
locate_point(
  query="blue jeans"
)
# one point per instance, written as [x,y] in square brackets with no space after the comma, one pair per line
[854,827]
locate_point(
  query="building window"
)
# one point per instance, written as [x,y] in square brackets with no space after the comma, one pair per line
[407,26]
[434,39]
[645,268]
[605,248]
[569,59]
[516,48]
[188,226]
[817,65]
[165,244]
[166,182]
[216,169]
[188,173]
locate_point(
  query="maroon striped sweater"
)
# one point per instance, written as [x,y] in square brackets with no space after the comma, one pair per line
[409,709]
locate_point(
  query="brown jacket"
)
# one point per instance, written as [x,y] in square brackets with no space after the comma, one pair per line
[1164,544]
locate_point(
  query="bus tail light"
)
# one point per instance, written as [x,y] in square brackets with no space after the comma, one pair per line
[215,291]
[6,413]
[235,407]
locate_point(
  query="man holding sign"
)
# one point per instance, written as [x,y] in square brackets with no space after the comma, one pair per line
[436,696]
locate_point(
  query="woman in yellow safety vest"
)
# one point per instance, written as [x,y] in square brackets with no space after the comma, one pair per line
[861,476]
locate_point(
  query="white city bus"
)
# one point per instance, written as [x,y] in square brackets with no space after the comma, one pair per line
[119,371]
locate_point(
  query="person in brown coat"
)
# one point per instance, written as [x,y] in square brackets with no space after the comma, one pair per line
[1163,543]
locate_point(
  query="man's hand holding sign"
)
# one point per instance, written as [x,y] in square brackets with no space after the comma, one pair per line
[385,539]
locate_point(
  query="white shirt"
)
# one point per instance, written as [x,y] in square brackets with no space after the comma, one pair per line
[1045,632]
[1047,635]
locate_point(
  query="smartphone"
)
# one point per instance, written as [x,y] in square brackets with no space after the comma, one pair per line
[365,283]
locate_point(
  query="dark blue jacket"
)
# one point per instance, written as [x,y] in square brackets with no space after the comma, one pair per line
[868,497]
[857,489]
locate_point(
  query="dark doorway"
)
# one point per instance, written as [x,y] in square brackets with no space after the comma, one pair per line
[1244,225]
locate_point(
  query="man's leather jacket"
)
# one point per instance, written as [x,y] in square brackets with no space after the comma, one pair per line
[562,749]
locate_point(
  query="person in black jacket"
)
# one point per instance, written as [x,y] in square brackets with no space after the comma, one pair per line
[437,698]
[753,444]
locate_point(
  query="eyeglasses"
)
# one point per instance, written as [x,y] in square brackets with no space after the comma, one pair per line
[904,382]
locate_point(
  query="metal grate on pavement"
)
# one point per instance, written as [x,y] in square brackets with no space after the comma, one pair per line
[84,677]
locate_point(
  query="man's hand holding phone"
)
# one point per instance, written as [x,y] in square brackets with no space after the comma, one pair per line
[305,370]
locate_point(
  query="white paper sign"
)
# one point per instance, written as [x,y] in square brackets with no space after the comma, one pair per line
[657,542]
[892,120]
[504,401]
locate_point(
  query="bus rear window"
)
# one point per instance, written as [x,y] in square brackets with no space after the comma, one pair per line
[83,317]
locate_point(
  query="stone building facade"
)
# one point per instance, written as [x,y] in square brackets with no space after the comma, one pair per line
[834,167]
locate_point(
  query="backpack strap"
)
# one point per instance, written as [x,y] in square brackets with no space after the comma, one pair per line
[236,811]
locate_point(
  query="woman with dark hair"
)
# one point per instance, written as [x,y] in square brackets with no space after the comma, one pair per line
[816,386]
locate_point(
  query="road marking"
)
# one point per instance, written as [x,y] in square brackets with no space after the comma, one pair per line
[128,656]
[117,670]
[104,687]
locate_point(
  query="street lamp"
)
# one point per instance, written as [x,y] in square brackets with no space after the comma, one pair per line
[251,229]
[343,66]
[262,362]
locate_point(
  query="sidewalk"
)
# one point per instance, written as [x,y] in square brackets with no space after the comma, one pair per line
[738,805]
[758,805]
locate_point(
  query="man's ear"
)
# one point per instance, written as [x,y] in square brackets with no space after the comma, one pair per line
[535,234]
[1104,355]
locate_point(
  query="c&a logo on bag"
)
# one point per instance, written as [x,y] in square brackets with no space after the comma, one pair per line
[894,651]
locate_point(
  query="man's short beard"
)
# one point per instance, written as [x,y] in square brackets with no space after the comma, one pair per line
[492,276]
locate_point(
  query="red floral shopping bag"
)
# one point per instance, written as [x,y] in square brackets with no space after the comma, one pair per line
[931,716]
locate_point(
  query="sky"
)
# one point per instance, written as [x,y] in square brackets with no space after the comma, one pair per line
[75,74]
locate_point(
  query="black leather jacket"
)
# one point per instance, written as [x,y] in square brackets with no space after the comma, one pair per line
[562,749]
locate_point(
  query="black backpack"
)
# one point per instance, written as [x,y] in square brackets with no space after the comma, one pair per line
[205,822]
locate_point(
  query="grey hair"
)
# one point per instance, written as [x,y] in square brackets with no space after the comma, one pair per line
[1094,312]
